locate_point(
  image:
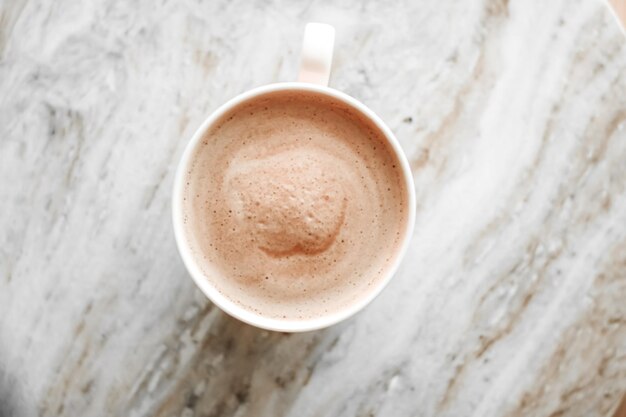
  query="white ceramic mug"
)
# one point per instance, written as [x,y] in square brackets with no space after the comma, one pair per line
[315,66]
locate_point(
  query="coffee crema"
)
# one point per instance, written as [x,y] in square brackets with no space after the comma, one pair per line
[295,205]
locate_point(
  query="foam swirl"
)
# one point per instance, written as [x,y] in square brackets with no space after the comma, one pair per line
[288,203]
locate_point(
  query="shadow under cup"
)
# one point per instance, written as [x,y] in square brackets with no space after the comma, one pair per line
[293,205]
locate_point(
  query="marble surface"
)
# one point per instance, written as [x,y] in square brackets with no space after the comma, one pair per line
[511,301]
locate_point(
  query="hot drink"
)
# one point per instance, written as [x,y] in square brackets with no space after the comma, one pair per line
[294,205]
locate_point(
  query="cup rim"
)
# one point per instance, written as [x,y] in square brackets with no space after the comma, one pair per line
[224,303]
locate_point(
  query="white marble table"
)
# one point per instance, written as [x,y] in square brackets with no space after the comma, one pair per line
[511,302]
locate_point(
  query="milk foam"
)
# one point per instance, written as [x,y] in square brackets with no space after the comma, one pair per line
[295,205]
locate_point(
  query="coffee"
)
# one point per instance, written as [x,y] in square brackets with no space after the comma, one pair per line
[294,205]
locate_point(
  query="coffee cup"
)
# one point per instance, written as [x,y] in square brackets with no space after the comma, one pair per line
[315,66]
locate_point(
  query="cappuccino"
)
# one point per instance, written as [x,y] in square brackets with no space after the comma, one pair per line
[294,205]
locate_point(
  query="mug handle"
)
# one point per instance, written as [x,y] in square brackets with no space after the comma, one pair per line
[317,53]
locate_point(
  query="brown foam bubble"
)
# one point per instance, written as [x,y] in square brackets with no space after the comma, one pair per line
[296,205]
[288,203]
